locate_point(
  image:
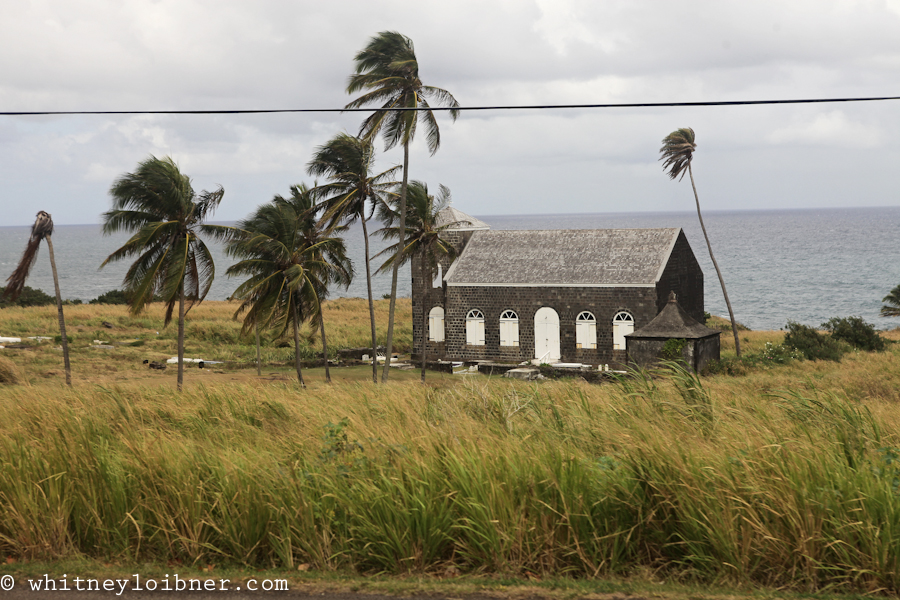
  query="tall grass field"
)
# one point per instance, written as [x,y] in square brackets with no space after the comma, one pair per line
[784,476]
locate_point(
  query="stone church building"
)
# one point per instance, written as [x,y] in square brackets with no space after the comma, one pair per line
[554,296]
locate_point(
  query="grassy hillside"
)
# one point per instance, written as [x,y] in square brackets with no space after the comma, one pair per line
[211,333]
[784,476]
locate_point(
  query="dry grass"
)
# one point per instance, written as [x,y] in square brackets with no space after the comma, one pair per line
[697,483]
[211,333]
[787,476]
[9,373]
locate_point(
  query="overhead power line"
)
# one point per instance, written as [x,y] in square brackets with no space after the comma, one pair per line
[22,113]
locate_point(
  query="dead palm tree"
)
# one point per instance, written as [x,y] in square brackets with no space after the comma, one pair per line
[677,152]
[41,230]
[892,308]
[388,71]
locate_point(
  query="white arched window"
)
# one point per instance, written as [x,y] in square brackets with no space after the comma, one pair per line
[436,324]
[623,324]
[586,331]
[509,328]
[475,328]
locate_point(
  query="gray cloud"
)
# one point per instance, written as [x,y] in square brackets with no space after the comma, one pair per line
[228,54]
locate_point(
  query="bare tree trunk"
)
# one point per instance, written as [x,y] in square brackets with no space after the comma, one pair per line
[737,341]
[426,278]
[258,358]
[297,346]
[371,302]
[324,345]
[389,346]
[59,309]
[424,341]
[181,338]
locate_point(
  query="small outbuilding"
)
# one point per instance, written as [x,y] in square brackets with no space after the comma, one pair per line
[673,335]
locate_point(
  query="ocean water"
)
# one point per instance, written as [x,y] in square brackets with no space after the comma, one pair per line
[800,265]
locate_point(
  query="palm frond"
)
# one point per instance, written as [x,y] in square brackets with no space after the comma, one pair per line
[16,281]
[158,204]
[892,300]
[388,72]
[677,151]
[42,227]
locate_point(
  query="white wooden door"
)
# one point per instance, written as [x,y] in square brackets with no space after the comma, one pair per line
[436,324]
[623,324]
[546,335]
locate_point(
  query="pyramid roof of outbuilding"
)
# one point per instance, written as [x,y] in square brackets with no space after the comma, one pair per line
[673,322]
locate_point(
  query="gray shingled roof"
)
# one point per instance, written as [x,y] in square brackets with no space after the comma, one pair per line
[459,220]
[673,322]
[574,257]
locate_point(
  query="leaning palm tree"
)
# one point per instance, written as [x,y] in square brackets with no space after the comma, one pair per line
[158,204]
[326,255]
[351,193]
[422,241]
[41,230]
[892,309]
[388,72]
[677,152]
[280,290]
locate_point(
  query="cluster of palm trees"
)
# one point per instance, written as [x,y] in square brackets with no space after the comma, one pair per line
[290,249]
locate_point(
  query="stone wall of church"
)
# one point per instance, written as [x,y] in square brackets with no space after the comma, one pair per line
[604,303]
[683,276]
[425,295]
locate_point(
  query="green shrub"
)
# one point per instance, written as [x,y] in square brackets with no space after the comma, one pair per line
[779,354]
[111,297]
[28,297]
[813,344]
[673,349]
[772,354]
[856,332]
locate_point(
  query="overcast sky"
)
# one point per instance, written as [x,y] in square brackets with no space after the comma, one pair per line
[238,54]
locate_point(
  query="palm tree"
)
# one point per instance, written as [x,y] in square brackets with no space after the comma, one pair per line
[41,230]
[327,259]
[158,204]
[677,152]
[422,239]
[351,192]
[277,292]
[893,300]
[388,72]
[291,258]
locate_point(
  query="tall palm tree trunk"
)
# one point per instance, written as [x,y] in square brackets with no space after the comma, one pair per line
[59,309]
[389,346]
[426,277]
[297,346]
[181,338]
[258,358]
[371,302]
[324,346]
[737,341]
